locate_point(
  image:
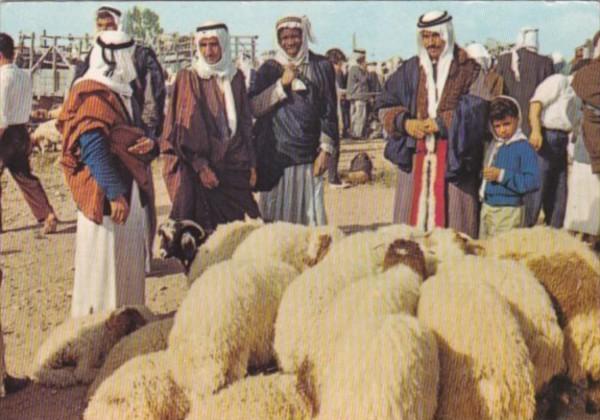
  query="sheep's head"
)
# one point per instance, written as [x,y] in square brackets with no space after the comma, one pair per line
[180,239]
[124,321]
[317,249]
[409,253]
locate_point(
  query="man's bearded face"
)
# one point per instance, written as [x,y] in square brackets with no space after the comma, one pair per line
[290,40]
[211,49]
[433,43]
[105,23]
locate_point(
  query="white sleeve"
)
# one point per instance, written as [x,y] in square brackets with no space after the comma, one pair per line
[549,90]
[3,100]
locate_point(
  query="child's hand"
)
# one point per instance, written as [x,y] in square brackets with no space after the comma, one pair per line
[491,173]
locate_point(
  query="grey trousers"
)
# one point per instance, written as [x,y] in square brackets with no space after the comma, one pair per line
[552,195]
[358,118]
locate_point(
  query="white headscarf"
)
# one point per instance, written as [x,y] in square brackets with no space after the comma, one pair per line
[480,54]
[223,70]
[596,53]
[111,63]
[492,149]
[114,12]
[527,38]
[294,22]
[441,23]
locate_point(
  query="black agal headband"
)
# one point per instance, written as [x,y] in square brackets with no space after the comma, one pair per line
[112,64]
[443,18]
[211,27]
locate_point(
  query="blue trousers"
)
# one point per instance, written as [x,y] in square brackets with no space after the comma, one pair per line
[552,195]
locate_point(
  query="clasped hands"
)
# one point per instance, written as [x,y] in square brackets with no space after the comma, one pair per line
[209,179]
[420,128]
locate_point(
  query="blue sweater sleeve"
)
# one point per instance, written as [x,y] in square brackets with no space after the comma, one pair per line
[96,155]
[528,178]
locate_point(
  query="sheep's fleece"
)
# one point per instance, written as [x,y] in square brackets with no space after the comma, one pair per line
[141,389]
[75,350]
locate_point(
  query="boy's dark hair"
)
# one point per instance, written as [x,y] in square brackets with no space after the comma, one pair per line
[7,46]
[502,108]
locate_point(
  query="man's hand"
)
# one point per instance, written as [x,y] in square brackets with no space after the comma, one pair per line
[119,210]
[289,74]
[491,173]
[321,163]
[415,128]
[252,177]
[208,178]
[431,126]
[142,146]
[536,139]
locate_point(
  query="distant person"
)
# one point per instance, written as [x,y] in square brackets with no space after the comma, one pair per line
[493,81]
[510,170]
[105,162]
[553,113]
[209,159]
[583,57]
[358,93]
[16,98]
[523,69]
[295,103]
[432,106]
[338,60]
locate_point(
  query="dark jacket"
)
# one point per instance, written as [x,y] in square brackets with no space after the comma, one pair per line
[290,133]
[465,130]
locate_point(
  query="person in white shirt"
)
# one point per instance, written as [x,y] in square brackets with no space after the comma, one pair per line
[15,145]
[552,116]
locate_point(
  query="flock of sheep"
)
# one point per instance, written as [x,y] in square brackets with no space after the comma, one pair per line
[284,321]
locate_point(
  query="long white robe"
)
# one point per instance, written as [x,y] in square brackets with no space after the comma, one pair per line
[109,261]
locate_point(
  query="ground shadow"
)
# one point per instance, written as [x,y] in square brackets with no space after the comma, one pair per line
[162,268]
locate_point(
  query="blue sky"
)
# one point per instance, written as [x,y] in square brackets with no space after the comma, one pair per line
[384,28]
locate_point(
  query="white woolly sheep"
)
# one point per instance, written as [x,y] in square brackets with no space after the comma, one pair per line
[570,272]
[298,245]
[150,338]
[226,323]
[221,245]
[485,370]
[143,388]
[357,256]
[271,397]
[530,305]
[46,136]
[392,292]
[385,368]
[75,350]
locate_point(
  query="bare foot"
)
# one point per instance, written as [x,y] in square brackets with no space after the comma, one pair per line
[50,224]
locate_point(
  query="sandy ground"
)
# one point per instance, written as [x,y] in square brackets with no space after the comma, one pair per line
[38,272]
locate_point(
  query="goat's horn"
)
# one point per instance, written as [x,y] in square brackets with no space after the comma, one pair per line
[186,223]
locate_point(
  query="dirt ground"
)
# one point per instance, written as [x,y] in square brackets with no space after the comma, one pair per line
[38,271]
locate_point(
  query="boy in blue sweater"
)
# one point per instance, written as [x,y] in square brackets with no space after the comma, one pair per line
[510,170]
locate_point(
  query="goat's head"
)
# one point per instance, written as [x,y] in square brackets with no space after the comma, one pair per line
[180,239]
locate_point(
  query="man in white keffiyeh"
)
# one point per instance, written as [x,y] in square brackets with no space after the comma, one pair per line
[294,100]
[423,107]
[207,139]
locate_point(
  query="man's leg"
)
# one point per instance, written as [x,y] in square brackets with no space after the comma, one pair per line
[554,201]
[32,190]
[533,200]
[358,117]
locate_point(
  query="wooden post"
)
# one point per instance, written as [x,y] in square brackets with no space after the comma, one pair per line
[31,50]
[54,69]
[253,51]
